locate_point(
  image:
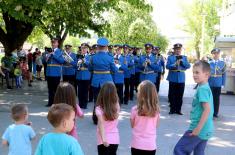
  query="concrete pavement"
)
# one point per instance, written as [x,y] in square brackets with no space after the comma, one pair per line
[170,129]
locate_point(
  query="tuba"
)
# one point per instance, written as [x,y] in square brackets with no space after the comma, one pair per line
[67,57]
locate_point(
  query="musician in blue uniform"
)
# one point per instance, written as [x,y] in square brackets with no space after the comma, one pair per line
[177,65]
[83,76]
[217,78]
[132,71]
[110,50]
[54,60]
[136,54]
[127,73]
[68,69]
[101,64]
[148,65]
[118,77]
[92,51]
[161,61]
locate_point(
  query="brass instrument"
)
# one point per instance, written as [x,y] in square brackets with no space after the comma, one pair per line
[81,60]
[147,61]
[67,57]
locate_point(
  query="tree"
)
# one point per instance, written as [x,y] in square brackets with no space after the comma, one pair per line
[197,14]
[18,18]
[38,38]
[61,18]
[135,27]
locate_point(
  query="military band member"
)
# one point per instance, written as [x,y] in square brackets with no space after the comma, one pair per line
[68,69]
[55,61]
[217,78]
[136,54]
[110,50]
[101,64]
[83,76]
[161,61]
[148,65]
[127,74]
[177,65]
[132,71]
[118,78]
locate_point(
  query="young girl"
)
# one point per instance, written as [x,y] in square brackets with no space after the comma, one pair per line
[18,75]
[18,136]
[65,93]
[144,120]
[107,112]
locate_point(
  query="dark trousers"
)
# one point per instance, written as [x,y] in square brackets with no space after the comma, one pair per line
[7,76]
[176,92]
[45,70]
[52,83]
[83,86]
[158,81]
[110,150]
[142,152]
[71,79]
[137,80]
[119,87]
[188,144]
[91,95]
[132,86]
[96,91]
[127,90]
[216,91]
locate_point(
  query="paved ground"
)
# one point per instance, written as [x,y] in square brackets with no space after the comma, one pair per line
[170,130]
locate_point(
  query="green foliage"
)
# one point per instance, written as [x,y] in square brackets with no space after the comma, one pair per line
[135,27]
[38,38]
[193,15]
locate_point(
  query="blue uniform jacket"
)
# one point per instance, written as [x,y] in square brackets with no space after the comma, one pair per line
[161,62]
[136,62]
[102,64]
[54,63]
[118,77]
[177,73]
[130,63]
[69,69]
[132,67]
[83,73]
[218,73]
[148,72]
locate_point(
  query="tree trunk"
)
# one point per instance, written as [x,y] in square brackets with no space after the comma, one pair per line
[197,48]
[63,37]
[15,34]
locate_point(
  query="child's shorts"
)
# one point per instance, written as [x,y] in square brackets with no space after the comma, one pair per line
[38,68]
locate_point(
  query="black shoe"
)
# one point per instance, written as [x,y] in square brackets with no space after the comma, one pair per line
[9,87]
[215,116]
[171,112]
[126,103]
[48,105]
[179,113]
[30,85]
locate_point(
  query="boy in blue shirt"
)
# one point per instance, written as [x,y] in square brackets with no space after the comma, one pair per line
[201,126]
[18,136]
[61,117]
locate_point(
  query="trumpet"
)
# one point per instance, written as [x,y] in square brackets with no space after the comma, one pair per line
[81,60]
[147,61]
[67,57]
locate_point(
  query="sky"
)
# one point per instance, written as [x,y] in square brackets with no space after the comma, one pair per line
[167,15]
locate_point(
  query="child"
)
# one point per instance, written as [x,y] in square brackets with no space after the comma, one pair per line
[201,116]
[107,112]
[65,93]
[18,136]
[144,120]
[61,117]
[18,75]
[38,62]
[25,71]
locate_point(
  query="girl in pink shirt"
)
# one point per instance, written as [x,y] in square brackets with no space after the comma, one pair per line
[107,112]
[65,93]
[144,120]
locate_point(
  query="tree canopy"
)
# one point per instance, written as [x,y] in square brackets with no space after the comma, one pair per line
[135,27]
[193,14]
